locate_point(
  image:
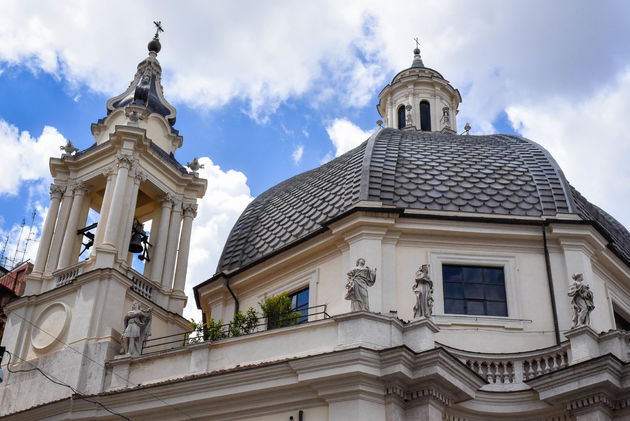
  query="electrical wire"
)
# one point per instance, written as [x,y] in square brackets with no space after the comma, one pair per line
[60,383]
[103,366]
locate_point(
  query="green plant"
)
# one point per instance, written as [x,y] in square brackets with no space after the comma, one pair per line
[278,311]
[244,324]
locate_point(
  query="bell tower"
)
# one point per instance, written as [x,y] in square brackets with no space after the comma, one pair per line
[419,98]
[118,230]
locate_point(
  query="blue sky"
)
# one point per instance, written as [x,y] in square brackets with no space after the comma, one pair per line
[266,90]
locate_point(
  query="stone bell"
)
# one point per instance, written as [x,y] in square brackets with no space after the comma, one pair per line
[137,235]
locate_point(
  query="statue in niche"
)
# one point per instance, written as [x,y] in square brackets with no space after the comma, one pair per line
[359,279]
[423,288]
[137,329]
[409,118]
[581,301]
[446,117]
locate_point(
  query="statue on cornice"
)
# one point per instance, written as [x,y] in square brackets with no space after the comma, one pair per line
[581,301]
[359,279]
[423,288]
[137,329]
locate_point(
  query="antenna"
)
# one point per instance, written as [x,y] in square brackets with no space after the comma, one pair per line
[4,250]
[17,245]
[29,237]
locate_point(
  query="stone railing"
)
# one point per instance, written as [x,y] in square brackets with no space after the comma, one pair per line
[66,276]
[507,372]
[142,285]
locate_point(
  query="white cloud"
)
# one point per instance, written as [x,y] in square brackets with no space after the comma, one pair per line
[265,53]
[297,154]
[345,135]
[25,157]
[226,197]
[589,141]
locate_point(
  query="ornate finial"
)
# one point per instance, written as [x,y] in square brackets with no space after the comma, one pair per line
[195,166]
[68,149]
[467,128]
[379,122]
[154,45]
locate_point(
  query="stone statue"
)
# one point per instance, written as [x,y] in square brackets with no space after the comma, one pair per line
[137,329]
[409,118]
[446,117]
[359,279]
[68,149]
[423,288]
[581,301]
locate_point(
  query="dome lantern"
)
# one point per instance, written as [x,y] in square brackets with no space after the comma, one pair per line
[433,101]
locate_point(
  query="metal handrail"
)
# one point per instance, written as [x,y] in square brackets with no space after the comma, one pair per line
[185,339]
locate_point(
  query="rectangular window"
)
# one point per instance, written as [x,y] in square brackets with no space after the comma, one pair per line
[299,303]
[474,290]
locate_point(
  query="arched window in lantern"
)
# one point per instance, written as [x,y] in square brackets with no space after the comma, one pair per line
[401,117]
[425,116]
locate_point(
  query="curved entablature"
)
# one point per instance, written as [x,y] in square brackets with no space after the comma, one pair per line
[420,98]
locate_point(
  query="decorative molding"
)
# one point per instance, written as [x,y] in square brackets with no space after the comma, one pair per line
[600,398]
[409,396]
[109,170]
[80,188]
[190,209]
[135,113]
[167,200]
[57,191]
[139,174]
[125,160]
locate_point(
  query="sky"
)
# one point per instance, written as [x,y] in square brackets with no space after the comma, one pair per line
[265,90]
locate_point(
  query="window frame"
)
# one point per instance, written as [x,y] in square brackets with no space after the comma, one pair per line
[309,280]
[510,275]
[481,283]
[424,101]
[401,126]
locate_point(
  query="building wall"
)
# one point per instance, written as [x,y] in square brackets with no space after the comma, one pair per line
[398,249]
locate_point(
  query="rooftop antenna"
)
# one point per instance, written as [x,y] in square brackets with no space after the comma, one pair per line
[4,250]
[29,237]
[17,246]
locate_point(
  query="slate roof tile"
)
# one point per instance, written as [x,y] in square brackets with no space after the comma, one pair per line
[495,174]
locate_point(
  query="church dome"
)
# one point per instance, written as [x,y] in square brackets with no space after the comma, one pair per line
[502,177]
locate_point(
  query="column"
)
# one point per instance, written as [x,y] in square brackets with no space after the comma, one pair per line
[56,192]
[127,223]
[60,230]
[118,200]
[171,245]
[153,240]
[157,260]
[190,212]
[70,237]
[107,200]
